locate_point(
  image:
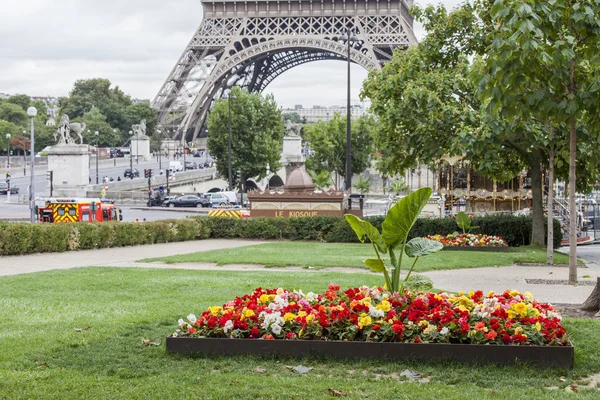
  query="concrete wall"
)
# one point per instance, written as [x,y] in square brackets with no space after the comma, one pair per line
[178,179]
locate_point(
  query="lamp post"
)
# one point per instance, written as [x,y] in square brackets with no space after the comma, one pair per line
[115,157]
[24,155]
[184,147]
[130,153]
[32,112]
[230,83]
[159,151]
[349,38]
[8,167]
[97,155]
[137,149]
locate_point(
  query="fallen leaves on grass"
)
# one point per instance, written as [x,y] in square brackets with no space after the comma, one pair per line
[338,393]
[89,328]
[299,369]
[149,342]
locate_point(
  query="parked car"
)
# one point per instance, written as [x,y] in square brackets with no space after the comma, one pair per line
[128,173]
[189,200]
[191,165]
[14,189]
[216,199]
[175,166]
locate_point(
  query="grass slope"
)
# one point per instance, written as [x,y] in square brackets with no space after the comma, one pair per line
[44,357]
[315,254]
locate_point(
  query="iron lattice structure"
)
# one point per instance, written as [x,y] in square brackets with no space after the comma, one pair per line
[259,40]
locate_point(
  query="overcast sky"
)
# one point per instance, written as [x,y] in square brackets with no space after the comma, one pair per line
[48,44]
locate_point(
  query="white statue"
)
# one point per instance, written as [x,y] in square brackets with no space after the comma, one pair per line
[140,129]
[292,129]
[65,127]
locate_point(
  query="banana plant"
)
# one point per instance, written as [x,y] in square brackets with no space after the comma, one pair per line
[393,239]
[464,222]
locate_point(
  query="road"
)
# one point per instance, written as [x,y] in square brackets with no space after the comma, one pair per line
[589,253]
[105,168]
[14,211]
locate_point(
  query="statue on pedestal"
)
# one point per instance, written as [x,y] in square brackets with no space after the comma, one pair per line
[65,128]
[139,129]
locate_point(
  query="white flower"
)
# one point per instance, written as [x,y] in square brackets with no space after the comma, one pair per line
[444,331]
[375,313]
[181,322]
[228,326]
[312,297]
[276,329]
[192,319]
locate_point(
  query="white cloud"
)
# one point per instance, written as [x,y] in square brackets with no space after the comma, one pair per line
[47,45]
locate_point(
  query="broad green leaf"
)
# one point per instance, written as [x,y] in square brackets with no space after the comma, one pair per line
[463,221]
[419,247]
[401,218]
[364,228]
[375,264]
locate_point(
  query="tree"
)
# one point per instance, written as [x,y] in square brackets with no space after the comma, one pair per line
[21,100]
[13,113]
[363,185]
[98,93]
[42,110]
[293,117]
[398,186]
[545,56]
[328,141]
[322,180]
[7,127]
[21,143]
[96,122]
[136,112]
[257,131]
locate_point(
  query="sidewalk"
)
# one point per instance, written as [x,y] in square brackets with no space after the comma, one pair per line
[119,256]
[547,284]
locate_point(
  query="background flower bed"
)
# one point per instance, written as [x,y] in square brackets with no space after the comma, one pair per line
[468,239]
[25,238]
[372,314]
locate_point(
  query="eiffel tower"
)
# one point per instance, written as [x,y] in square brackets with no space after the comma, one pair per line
[250,43]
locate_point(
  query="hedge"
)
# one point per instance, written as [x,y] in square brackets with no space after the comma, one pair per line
[25,238]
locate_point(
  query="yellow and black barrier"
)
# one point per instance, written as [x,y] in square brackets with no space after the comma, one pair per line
[225,213]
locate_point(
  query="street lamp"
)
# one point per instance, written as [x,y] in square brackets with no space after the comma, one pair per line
[97,154]
[32,112]
[349,38]
[159,150]
[130,153]
[24,155]
[230,95]
[115,156]
[8,168]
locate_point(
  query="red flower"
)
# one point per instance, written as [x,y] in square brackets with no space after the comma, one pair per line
[268,337]
[491,335]
[254,332]
[192,330]
[376,327]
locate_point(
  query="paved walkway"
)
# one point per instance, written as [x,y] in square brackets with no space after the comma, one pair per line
[546,283]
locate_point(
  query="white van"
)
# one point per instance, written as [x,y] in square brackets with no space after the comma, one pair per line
[175,166]
[232,196]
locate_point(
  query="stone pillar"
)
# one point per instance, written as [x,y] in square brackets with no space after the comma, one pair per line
[140,147]
[70,167]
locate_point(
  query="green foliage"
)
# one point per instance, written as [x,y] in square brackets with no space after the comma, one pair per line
[257,131]
[293,117]
[394,233]
[96,122]
[21,100]
[13,113]
[328,140]
[135,113]
[7,127]
[398,186]
[363,185]
[322,180]
[464,222]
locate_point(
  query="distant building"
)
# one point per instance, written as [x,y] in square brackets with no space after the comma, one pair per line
[320,113]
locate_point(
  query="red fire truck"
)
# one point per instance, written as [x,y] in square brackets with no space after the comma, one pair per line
[79,210]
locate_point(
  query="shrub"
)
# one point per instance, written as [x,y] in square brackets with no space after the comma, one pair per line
[263,228]
[311,228]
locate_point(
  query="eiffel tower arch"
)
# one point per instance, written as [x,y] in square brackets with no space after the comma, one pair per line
[254,42]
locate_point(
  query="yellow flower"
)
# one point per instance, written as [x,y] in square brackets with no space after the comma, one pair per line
[430,329]
[521,309]
[438,297]
[538,326]
[249,313]
[471,293]
[511,313]
[364,320]
[461,293]
[272,297]
[309,318]
[302,314]
[491,293]
[366,301]
[289,317]
[514,293]
[423,324]
[264,298]
[384,306]
[215,310]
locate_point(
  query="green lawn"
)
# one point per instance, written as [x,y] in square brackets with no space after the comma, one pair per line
[43,356]
[314,254]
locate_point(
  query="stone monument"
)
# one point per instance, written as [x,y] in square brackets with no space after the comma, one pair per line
[291,155]
[69,161]
[140,143]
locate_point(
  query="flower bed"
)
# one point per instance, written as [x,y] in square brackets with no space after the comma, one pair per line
[373,315]
[469,240]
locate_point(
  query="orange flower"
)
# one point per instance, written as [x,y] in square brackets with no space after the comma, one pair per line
[491,335]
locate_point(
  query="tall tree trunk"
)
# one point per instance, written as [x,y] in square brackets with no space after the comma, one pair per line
[550,235]
[538,231]
[572,208]
[572,186]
